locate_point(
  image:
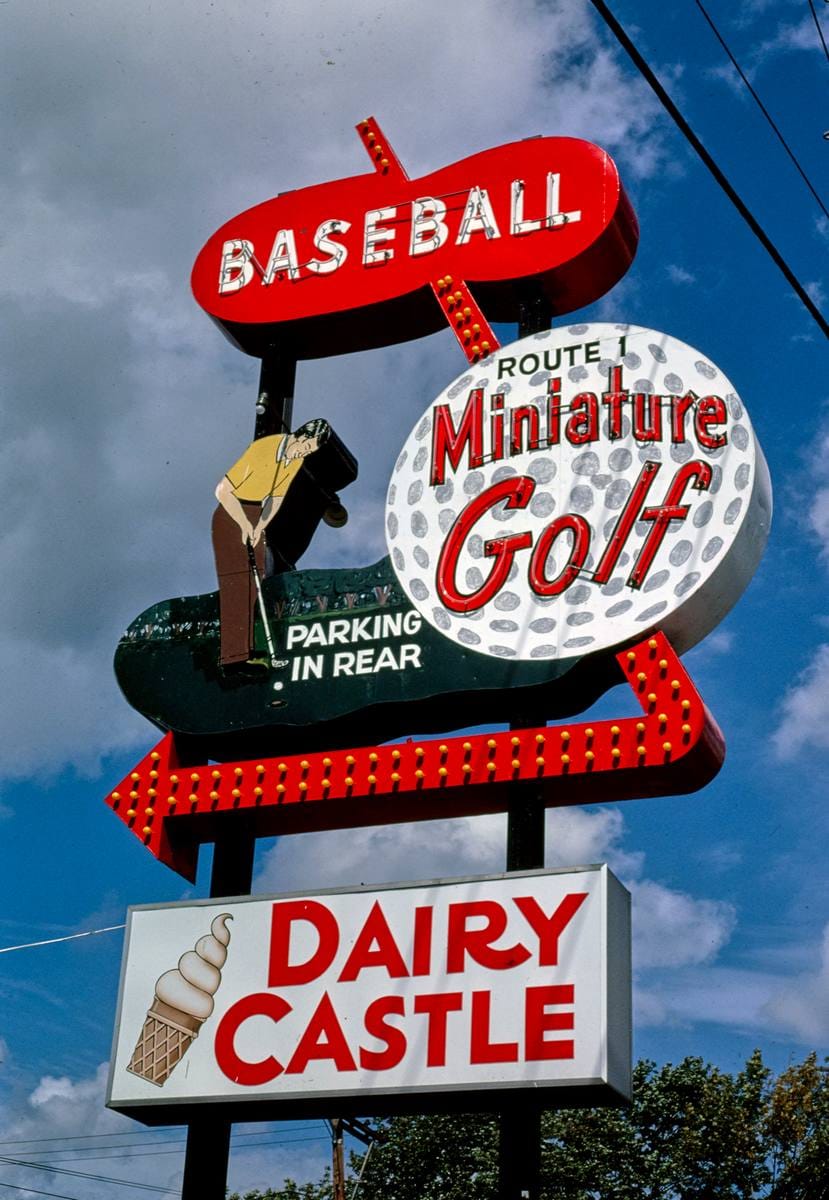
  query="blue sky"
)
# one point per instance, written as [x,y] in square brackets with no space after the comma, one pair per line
[129,137]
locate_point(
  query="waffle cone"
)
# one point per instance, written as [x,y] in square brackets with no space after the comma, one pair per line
[164,1039]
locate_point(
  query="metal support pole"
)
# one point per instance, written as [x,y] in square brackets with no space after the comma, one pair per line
[519,1149]
[232,872]
[277,379]
[207,1155]
[519,1155]
[535,313]
[206,1160]
[338,1159]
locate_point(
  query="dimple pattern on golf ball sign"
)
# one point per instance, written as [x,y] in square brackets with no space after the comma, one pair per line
[593,480]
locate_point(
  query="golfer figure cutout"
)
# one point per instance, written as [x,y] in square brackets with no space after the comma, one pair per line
[250,495]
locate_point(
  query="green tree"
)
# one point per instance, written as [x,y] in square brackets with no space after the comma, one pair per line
[797,1131]
[291,1191]
[692,1132]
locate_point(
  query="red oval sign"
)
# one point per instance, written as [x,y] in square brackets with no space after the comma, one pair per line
[364,261]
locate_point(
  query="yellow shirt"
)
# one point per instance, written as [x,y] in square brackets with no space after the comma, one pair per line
[259,473]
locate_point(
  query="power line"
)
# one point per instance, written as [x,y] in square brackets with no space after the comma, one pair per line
[36,1191]
[70,937]
[94,1157]
[721,179]
[762,107]
[87,1137]
[90,1137]
[144,1187]
[819,30]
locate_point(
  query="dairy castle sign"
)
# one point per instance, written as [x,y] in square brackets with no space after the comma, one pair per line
[378,997]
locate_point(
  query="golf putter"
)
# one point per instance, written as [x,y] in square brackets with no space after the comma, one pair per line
[275,662]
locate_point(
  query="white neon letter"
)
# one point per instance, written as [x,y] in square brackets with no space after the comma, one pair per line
[283,256]
[429,230]
[477,217]
[236,256]
[338,252]
[374,234]
[554,217]
[517,223]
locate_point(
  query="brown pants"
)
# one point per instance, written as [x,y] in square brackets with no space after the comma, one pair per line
[237,591]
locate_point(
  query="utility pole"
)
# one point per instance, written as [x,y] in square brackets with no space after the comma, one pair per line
[337,1159]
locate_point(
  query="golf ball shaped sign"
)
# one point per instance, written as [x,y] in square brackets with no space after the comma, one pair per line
[575,490]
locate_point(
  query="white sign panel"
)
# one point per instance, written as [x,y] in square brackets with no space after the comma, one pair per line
[451,986]
[580,488]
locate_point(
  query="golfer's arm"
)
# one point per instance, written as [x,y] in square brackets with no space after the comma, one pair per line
[232,506]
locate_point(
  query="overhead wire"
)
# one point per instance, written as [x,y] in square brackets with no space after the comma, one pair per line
[36,1191]
[69,937]
[94,1157]
[55,1170]
[762,107]
[819,30]
[743,209]
[161,1129]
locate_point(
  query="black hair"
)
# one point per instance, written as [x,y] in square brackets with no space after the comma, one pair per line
[318,428]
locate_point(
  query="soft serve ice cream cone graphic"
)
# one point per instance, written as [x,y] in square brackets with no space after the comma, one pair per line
[183,1002]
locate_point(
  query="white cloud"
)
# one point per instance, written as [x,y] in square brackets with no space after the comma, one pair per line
[818,512]
[758,1000]
[817,292]
[673,929]
[788,38]
[435,849]
[722,856]
[801,1005]
[679,275]
[83,681]
[805,710]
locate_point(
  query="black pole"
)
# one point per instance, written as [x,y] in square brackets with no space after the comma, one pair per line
[206,1159]
[207,1155]
[275,399]
[519,1147]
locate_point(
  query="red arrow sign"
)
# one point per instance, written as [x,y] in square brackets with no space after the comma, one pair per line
[675,747]
[361,262]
